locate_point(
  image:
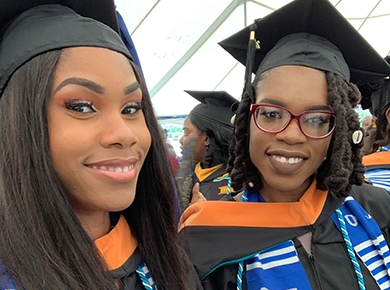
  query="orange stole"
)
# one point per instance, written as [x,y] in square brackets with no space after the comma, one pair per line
[272,215]
[118,245]
[376,158]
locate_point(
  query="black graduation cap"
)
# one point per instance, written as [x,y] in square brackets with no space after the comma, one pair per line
[214,106]
[31,27]
[376,94]
[310,33]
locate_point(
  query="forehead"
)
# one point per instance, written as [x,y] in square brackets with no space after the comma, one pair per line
[187,123]
[89,59]
[108,68]
[293,87]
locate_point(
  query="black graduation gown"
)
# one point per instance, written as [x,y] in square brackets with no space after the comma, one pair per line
[119,244]
[212,183]
[328,267]
[126,273]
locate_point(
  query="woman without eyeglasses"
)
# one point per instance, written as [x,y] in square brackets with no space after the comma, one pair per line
[85,200]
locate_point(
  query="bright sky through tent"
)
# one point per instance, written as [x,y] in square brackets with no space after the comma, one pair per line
[176,41]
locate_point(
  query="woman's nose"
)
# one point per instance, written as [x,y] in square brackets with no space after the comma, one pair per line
[117,131]
[292,134]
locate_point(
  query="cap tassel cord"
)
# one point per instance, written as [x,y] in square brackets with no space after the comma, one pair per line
[252,46]
[252,37]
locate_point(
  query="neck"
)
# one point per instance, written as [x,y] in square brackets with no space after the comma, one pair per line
[95,224]
[271,194]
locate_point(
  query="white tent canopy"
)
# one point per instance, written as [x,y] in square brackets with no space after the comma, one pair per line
[177,42]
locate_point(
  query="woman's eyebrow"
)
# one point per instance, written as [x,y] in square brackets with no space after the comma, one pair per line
[272,102]
[318,107]
[131,88]
[81,82]
[308,108]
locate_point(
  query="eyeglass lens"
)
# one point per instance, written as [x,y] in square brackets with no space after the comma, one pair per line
[276,119]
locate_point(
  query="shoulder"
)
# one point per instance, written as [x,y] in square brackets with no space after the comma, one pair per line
[374,200]
[367,193]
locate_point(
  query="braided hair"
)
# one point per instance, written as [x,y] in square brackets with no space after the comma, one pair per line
[342,167]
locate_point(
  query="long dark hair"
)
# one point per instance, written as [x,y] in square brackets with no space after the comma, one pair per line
[342,167]
[42,243]
[219,138]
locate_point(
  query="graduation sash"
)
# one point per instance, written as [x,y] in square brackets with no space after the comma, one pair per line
[276,268]
[367,240]
[279,266]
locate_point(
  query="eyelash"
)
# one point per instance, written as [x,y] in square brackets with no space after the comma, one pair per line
[133,105]
[76,105]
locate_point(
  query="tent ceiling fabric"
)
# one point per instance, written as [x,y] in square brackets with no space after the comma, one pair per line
[177,42]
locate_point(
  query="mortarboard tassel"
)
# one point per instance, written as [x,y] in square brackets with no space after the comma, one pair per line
[253,44]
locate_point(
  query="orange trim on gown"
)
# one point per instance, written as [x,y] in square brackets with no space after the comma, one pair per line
[263,214]
[118,245]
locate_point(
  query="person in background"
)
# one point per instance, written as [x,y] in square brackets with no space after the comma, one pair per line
[366,122]
[207,133]
[173,159]
[305,220]
[377,158]
[369,138]
[84,197]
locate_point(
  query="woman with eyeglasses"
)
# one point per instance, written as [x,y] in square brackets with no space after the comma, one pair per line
[304,221]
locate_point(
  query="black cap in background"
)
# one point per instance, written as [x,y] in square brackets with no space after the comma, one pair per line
[376,94]
[310,33]
[214,106]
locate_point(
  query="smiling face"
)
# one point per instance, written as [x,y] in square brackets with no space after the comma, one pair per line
[98,135]
[287,160]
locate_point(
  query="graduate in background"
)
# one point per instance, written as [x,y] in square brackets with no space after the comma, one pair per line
[85,197]
[207,135]
[377,160]
[305,220]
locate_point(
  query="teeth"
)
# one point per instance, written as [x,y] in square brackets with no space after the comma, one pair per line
[115,169]
[283,159]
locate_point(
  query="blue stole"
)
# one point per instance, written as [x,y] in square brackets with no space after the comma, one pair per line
[277,267]
[367,240]
[5,280]
[384,148]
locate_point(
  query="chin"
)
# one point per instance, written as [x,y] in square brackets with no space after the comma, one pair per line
[120,204]
[285,183]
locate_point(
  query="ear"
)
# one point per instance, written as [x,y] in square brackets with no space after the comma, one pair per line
[206,140]
[388,115]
